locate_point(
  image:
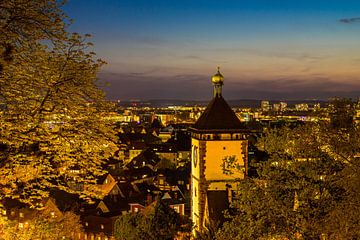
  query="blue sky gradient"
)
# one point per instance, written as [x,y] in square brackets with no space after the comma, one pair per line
[280,49]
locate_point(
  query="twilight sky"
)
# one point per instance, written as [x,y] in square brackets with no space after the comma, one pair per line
[267,49]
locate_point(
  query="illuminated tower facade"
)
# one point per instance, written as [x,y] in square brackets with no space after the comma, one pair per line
[217,136]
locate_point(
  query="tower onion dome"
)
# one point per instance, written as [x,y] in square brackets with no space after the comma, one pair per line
[218,78]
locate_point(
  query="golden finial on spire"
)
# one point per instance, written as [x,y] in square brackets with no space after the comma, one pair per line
[218,78]
[218,81]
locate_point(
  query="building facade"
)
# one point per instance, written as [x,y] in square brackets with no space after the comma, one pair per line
[218,143]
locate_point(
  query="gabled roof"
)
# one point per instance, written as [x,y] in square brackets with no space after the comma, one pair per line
[146,158]
[218,116]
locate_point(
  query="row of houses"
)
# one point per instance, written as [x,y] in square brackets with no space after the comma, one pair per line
[152,173]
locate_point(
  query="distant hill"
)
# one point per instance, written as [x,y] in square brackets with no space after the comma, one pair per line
[252,103]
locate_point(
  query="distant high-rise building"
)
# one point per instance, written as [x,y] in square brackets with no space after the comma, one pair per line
[265,106]
[283,106]
[302,107]
[277,107]
[280,107]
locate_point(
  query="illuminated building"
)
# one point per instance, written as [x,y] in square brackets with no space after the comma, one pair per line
[276,107]
[265,106]
[217,135]
[317,107]
[302,107]
[283,106]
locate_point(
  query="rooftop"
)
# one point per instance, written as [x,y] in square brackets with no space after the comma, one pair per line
[218,116]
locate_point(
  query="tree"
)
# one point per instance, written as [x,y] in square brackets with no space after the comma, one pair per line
[43,227]
[308,188]
[158,221]
[52,128]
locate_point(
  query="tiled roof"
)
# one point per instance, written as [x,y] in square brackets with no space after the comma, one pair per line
[218,116]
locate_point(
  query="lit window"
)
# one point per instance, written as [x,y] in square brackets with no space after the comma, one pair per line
[86,224]
[136,209]
[177,209]
[21,225]
[3,212]
[52,214]
[21,215]
[102,226]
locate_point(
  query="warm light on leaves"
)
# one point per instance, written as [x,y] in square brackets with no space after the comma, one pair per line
[52,116]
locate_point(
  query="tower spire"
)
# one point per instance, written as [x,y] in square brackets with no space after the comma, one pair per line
[218,81]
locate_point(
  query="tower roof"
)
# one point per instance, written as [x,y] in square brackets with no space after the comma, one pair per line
[218,116]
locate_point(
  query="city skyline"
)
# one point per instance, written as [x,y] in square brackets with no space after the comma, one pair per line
[266,49]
